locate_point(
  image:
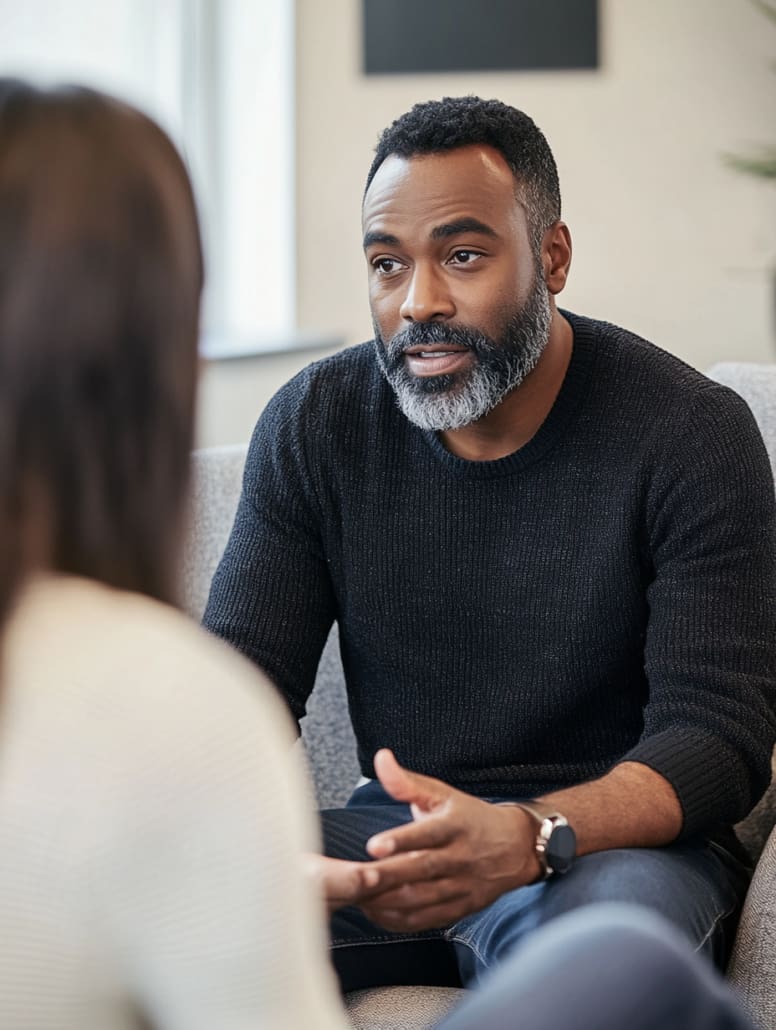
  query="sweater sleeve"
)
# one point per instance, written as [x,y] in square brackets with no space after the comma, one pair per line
[710,651]
[271,596]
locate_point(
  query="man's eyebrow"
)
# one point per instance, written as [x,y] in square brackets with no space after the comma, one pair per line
[371,238]
[439,232]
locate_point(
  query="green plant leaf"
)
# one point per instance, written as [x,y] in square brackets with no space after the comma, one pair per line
[762,165]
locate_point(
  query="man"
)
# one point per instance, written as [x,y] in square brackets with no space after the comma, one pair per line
[549,547]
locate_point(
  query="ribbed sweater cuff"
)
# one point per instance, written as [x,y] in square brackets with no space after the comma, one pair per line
[706,775]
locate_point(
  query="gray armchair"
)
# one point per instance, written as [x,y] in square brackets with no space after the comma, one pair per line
[331,750]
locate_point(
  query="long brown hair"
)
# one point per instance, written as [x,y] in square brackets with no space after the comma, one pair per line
[100,282]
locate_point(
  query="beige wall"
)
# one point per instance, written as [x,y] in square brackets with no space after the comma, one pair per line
[232,393]
[668,241]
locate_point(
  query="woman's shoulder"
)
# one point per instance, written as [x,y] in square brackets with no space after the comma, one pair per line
[148,779]
[130,680]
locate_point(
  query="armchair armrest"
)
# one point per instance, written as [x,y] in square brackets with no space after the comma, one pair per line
[752,967]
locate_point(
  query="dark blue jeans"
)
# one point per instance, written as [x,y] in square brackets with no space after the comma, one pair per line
[696,885]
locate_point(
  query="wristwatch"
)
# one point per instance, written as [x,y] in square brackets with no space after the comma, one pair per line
[556,842]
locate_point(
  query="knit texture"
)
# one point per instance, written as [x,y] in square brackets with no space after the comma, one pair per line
[151,820]
[607,592]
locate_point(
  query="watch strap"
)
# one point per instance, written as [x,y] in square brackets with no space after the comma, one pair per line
[547,820]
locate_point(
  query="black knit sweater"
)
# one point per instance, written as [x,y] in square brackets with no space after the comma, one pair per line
[607,592]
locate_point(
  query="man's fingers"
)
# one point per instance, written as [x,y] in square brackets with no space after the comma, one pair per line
[412,867]
[405,785]
[342,882]
[411,897]
[359,881]
[430,918]
[417,836]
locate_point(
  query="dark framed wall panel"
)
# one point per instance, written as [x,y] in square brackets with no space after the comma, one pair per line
[403,36]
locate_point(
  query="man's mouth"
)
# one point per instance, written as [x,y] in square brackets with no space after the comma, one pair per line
[436,359]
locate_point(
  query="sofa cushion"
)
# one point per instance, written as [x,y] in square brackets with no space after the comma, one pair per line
[401,1008]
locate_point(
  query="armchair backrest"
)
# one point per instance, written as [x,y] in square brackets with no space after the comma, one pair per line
[216,481]
[757,385]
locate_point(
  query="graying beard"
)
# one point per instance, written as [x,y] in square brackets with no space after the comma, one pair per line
[481,390]
[456,408]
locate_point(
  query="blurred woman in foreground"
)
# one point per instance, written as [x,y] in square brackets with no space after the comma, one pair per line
[151,814]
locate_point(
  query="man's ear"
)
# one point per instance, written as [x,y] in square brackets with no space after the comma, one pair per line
[556,256]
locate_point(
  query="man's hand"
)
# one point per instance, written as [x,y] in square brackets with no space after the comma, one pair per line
[340,882]
[458,855]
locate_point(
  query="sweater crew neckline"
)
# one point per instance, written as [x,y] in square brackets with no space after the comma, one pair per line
[573,389]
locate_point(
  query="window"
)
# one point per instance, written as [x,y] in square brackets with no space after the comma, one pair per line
[218,75]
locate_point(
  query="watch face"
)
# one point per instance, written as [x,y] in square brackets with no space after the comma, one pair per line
[561,849]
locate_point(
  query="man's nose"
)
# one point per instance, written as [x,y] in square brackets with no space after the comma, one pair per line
[428,297]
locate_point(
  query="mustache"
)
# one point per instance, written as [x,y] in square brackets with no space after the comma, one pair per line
[419,333]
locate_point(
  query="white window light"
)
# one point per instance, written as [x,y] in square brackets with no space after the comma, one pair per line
[218,75]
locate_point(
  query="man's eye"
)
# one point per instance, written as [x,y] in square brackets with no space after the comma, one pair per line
[465,257]
[386,266]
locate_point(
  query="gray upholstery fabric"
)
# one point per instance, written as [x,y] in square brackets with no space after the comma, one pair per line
[753,962]
[217,475]
[757,385]
[216,478]
[326,730]
[755,829]
[401,1008]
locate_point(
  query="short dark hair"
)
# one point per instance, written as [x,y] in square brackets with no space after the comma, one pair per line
[100,282]
[439,125]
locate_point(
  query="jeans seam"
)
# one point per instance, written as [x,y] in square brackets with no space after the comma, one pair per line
[392,939]
[717,920]
[455,939]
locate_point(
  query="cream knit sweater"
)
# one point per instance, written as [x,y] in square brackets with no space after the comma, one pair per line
[151,820]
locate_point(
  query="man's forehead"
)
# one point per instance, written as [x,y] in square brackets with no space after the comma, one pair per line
[473,184]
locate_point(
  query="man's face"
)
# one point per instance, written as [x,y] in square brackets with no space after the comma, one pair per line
[459,304]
